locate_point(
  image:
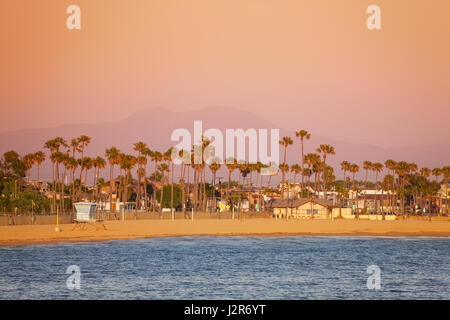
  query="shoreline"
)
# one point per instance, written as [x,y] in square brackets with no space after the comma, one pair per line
[275,235]
[143,229]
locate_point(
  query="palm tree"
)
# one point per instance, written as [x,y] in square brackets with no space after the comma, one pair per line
[184,156]
[312,160]
[39,158]
[307,173]
[302,134]
[318,168]
[413,168]
[259,167]
[75,145]
[112,155]
[128,163]
[253,168]
[142,149]
[162,168]
[328,177]
[367,165]
[272,172]
[140,173]
[67,163]
[296,169]
[284,167]
[446,175]
[54,146]
[425,172]
[207,150]
[156,157]
[345,166]
[83,142]
[214,166]
[147,153]
[72,165]
[141,164]
[59,158]
[244,170]
[391,165]
[325,149]
[387,184]
[99,163]
[437,172]
[170,160]
[28,161]
[354,169]
[50,144]
[231,164]
[402,169]
[87,164]
[285,142]
[377,167]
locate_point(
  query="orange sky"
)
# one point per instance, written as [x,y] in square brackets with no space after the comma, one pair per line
[308,64]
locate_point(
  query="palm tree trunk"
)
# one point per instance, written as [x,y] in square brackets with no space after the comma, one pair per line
[145,193]
[303,165]
[54,187]
[204,190]
[323,176]
[229,185]
[85,183]
[138,194]
[284,162]
[63,184]
[161,202]
[171,193]
[154,191]
[125,189]
[81,167]
[95,183]
[183,205]
[119,191]
[376,193]
[365,187]
[111,172]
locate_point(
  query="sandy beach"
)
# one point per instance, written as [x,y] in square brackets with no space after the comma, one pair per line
[41,234]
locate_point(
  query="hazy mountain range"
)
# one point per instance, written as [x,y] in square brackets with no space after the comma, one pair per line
[154,127]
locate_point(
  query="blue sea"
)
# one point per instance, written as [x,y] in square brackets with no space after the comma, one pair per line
[205,267]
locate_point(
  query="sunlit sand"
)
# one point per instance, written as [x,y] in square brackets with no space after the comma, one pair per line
[132,229]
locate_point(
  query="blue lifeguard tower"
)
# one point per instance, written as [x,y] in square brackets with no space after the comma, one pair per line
[85,216]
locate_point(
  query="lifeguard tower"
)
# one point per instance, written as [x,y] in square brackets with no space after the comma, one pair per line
[85,216]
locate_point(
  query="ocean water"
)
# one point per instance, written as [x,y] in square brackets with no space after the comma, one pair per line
[230,268]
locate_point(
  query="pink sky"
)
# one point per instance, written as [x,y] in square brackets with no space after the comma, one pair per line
[300,64]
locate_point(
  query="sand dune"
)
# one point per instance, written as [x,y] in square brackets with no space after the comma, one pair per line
[40,234]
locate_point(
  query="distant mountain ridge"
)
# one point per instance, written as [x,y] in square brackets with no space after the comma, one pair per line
[154,127]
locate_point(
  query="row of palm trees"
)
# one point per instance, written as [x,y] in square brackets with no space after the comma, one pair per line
[66,158]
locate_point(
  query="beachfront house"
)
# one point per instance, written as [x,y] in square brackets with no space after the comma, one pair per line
[302,208]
